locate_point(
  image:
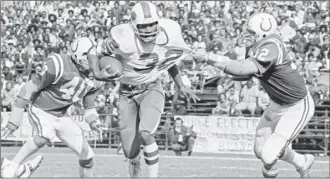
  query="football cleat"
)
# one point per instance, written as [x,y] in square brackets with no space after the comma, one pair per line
[26,170]
[304,171]
[270,173]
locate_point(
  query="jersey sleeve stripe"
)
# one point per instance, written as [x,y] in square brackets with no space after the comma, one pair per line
[56,65]
[280,51]
[61,68]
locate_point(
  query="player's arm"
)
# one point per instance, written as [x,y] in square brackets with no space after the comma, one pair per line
[91,115]
[49,74]
[265,57]
[174,72]
[104,48]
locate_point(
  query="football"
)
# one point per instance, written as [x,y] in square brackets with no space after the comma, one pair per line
[116,65]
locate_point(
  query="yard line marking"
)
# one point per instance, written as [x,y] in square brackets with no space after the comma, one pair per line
[166,156]
[258,169]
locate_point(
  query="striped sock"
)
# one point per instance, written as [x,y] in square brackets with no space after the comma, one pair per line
[151,157]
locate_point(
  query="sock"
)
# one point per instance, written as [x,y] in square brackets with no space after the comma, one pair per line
[86,172]
[293,158]
[29,148]
[151,157]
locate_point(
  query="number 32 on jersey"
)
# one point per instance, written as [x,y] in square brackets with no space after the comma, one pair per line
[169,58]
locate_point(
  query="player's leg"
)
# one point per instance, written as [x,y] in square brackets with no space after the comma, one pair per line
[150,111]
[293,120]
[263,132]
[127,116]
[72,135]
[29,167]
[43,124]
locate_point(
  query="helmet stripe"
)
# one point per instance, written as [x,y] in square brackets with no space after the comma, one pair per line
[146,9]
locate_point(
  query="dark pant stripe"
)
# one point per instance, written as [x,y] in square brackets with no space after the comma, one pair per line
[152,162]
[152,154]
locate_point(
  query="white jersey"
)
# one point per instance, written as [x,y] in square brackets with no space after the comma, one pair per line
[145,62]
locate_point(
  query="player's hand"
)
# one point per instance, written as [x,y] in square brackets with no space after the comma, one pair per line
[97,128]
[188,93]
[8,130]
[200,55]
[104,75]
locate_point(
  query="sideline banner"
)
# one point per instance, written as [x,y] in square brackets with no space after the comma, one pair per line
[217,134]
[25,130]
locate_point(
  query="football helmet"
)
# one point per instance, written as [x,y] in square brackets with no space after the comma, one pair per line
[80,49]
[144,21]
[258,26]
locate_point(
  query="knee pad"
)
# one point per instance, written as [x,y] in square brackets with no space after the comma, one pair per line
[146,138]
[273,148]
[40,141]
[86,163]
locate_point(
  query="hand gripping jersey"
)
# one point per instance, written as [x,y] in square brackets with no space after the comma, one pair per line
[60,85]
[277,72]
[145,62]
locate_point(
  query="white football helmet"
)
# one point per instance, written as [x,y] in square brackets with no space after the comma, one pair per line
[80,49]
[258,26]
[144,13]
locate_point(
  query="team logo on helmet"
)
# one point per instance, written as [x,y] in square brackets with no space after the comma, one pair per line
[262,24]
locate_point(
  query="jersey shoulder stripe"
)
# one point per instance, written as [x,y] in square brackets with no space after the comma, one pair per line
[59,67]
[279,46]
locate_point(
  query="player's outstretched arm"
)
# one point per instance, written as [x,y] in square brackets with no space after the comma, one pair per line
[91,115]
[188,93]
[50,74]
[229,66]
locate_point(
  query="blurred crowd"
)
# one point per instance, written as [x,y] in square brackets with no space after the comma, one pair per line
[30,30]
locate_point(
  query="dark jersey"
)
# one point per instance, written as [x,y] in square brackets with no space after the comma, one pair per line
[60,85]
[277,72]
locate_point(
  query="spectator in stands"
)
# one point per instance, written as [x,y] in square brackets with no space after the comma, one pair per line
[248,99]
[223,106]
[18,85]
[263,101]
[182,138]
[8,74]
[7,97]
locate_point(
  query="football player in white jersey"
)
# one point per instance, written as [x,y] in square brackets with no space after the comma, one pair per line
[147,47]
[291,107]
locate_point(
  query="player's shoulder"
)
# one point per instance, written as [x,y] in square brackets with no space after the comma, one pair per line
[271,41]
[122,32]
[54,63]
[170,26]
[59,65]
[168,23]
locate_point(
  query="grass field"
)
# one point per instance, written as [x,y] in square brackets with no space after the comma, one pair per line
[60,162]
